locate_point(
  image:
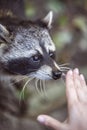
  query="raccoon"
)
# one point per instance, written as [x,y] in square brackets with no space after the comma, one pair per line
[26,49]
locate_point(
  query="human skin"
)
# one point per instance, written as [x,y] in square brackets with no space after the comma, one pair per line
[76,93]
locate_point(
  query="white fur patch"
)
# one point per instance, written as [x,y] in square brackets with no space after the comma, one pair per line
[48,19]
[44,73]
[56,65]
[50,47]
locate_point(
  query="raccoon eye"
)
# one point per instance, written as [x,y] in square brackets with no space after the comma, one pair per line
[36,58]
[52,55]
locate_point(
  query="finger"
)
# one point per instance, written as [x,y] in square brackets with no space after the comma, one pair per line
[83,82]
[70,89]
[83,93]
[66,121]
[51,122]
[78,83]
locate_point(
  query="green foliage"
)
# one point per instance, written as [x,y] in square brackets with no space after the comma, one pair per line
[55,5]
[62,37]
[80,22]
[63,20]
[29,9]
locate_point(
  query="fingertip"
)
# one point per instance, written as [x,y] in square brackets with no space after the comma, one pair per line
[49,121]
[69,76]
[82,80]
[70,89]
[76,71]
[82,77]
[41,119]
[69,72]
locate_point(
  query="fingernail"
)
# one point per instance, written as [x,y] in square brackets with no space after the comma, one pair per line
[81,76]
[70,72]
[41,119]
[76,71]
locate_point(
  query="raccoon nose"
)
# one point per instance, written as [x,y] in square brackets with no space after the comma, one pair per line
[56,74]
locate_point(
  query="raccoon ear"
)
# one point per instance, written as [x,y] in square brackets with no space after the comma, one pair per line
[48,19]
[4,34]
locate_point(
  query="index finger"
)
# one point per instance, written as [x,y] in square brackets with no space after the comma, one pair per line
[70,89]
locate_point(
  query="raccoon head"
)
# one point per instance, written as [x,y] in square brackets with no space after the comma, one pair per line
[29,50]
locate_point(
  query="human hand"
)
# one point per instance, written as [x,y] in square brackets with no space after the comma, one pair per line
[76,93]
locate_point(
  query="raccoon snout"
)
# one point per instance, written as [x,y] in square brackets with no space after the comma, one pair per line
[56,74]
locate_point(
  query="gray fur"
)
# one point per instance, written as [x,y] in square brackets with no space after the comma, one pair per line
[28,41]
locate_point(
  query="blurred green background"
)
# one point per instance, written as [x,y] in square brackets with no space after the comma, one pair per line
[69,33]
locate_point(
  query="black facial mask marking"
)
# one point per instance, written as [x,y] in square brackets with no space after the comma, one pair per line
[23,66]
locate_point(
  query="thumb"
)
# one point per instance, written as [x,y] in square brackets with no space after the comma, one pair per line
[51,122]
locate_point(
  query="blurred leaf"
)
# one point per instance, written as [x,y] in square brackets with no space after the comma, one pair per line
[63,20]
[80,22]
[56,6]
[62,38]
[30,10]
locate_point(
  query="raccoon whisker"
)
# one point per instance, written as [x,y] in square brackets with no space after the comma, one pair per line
[65,68]
[65,64]
[41,87]
[22,78]
[44,88]
[16,81]
[22,92]
[36,86]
